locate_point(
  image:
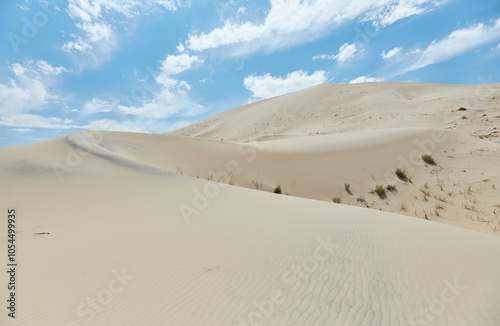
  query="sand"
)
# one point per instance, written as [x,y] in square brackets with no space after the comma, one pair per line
[116,229]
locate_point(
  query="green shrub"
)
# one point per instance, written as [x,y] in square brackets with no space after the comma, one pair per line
[347,187]
[337,200]
[401,174]
[379,190]
[277,190]
[428,159]
[391,188]
[361,199]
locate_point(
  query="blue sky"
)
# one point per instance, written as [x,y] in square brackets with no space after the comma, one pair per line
[157,65]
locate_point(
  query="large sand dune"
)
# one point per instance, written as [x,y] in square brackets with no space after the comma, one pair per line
[360,134]
[115,228]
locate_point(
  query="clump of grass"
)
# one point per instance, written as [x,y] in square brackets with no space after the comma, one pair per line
[277,190]
[379,190]
[347,187]
[403,207]
[363,201]
[401,174]
[337,200]
[257,184]
[428,159]
[391,188]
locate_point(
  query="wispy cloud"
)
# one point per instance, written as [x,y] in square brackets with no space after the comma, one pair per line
[27,88]
[26,120]
[28,93]
[284,27]
[266,86]
[391,53]
[346,52]
[392,11]
[175,64]
[365,79]
[168,98]
[453,45]
[98,27]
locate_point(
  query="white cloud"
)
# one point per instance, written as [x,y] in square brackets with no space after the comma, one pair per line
[181,48]
[22,130]
[23,7]
[266,86]
[324,56]
[171,100]
[23,120]
[241,10]
[98,25]
[171,5]
[25,91]
[456,43]
[346,52]
[33,69]
[28,91]
[392,11]
[160,96]
[365,79]
[94,33]
[96,105]
[46,69]
[293,22]
[175,64]
[391,53]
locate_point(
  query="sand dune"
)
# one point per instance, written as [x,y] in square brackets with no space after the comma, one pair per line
[115,229]
[461,190]
[334,109]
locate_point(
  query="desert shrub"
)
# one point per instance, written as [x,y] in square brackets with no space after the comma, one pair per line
[391,188]
[379,190]
[400,173]
[277,190]
[347,187]
[337,200]
[361,199]
[428,159]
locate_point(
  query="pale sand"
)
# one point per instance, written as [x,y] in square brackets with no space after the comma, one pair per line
[119,210]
